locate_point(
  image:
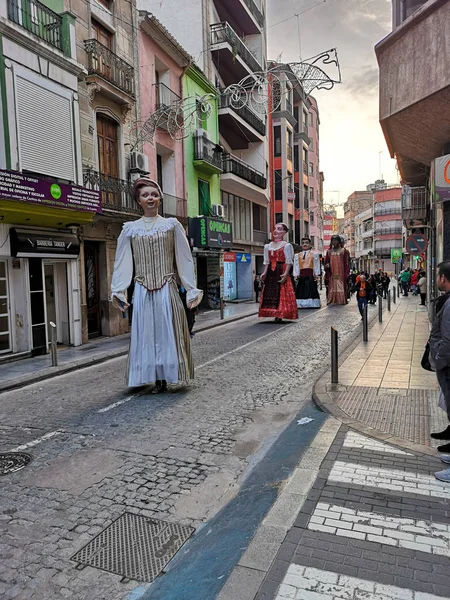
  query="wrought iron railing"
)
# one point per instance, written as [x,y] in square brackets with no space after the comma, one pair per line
[223,33]
[378,212]
[260,236]
[415,203]
[207,151]
[232,164]
[245,113]
[255,12]
[172,206]
[38,20]
[164,95]
[388,230]
[106,64]
[116,194]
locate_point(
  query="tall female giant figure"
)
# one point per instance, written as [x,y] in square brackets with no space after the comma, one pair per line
[157,250]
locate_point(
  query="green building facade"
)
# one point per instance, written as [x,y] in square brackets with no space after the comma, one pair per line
[203,161]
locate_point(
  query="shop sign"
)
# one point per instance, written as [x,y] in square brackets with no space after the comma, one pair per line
[210,233]
[243,258]
[396,255]
[26,243]
[35,190]
[441,167]
[416,243]
[229,257]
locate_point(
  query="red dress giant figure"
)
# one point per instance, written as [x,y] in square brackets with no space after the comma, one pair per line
[337,269]
[278,296]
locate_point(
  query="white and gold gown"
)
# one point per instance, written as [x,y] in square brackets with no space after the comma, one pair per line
[158,250]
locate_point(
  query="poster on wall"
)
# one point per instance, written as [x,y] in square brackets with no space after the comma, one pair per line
[230,278]
[213,281]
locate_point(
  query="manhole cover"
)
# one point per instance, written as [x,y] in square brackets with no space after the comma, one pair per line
[10,462]
[134,547]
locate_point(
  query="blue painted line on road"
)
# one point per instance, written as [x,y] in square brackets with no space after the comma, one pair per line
[203,565]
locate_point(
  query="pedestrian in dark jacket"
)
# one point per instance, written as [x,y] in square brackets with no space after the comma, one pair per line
[385,280]
[440,356]
[362,290]
[257,287]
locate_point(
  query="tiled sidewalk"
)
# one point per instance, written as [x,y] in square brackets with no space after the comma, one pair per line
[375,526]
[382,384]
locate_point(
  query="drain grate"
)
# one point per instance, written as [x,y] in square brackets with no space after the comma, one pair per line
[134,547]
[10,462]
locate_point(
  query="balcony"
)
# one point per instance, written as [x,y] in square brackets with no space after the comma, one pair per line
[207,154]
[367,233]
[105,66]
[239,126]
[38,20]
[388,231]
[260,237]
[244,12]
[164,96]
[415,204]
[116,194]
[232,164]
[230,55]
[172,206]
[380,212]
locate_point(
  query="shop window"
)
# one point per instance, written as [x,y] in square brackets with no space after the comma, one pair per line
[204,198]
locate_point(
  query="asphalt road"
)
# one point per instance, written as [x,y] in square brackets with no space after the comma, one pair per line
[99,448]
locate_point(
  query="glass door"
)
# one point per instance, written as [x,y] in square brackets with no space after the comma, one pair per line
[5,334]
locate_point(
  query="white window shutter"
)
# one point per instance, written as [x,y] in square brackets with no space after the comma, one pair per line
[45,121]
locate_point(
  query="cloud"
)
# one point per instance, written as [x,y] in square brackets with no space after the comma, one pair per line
[363,83]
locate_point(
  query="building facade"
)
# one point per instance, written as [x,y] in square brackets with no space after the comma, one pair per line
[388,232]
[364,240]
[315,184]
[414,103]
[356,202]
[42,201]
[227,41]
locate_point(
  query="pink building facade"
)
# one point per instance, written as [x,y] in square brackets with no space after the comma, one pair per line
[315,188]
[161,85]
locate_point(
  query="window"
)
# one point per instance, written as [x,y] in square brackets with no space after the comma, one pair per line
[277,140]
[259,217]
[305,198]
[296,158]
[204,198]
[311,218]
[311,168]
[311,193]
[312,240]
[305,121]
[311,145]
[297,124]
[278,185]
[297,195]
[311,119]
[278,217]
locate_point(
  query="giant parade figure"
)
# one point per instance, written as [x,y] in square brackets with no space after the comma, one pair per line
[306,269]
[278,296]
[337,269]
[157,251]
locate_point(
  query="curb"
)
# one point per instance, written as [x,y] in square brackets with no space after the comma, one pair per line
[76,365]
[324,401]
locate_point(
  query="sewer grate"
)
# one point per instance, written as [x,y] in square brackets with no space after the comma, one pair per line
[10,462]
[134,547]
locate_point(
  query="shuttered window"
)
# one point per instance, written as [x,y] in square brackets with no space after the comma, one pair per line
[45,121]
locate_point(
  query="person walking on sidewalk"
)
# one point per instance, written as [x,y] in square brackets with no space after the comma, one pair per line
[257,287]
[362,289]
[422,285]
[440,355]
[157,251]
[405,277]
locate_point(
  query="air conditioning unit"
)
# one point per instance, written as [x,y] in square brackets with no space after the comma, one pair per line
[218,210]
[139,162]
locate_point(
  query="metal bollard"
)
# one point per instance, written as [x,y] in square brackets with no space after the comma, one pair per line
[394,297]
[380,309]
[222,316]
[389,300]
[365,324]
[53,348]
[334,356]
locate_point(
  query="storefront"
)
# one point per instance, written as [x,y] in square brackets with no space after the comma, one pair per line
[209,239]
[39,268]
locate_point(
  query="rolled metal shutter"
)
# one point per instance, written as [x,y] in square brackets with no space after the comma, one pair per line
[45,121]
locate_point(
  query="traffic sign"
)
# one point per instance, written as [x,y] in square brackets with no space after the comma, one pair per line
[416,243]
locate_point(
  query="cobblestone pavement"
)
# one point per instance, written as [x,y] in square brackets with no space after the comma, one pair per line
[99,450]
[376,525]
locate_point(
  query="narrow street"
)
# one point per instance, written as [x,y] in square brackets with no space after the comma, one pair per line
[100,449]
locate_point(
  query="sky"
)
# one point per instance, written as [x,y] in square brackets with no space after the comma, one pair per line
[351,138]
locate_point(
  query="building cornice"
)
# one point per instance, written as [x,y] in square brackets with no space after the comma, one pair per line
[20,36]
[194,73]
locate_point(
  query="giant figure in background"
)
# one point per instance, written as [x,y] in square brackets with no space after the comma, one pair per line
[307,269]
[158,251]
[337,269]
[278,296]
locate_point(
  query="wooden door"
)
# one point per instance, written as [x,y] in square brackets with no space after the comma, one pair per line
[108,160]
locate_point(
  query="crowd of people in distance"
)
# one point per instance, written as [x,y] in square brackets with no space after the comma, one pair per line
[415,282]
